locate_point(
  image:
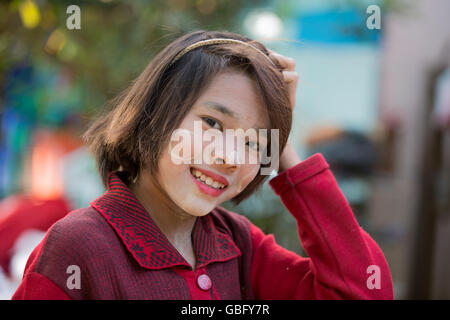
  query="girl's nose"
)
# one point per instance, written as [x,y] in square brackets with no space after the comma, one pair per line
[231,159]
[230,152]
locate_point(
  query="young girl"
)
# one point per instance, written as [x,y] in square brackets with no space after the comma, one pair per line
[159,231]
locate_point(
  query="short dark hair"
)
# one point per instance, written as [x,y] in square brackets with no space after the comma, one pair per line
[130,135]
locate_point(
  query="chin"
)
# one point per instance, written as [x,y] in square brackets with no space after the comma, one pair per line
[199,206]
[194,196]
[198,209]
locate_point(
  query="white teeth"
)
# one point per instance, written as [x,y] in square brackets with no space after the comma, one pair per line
[197,173]
[208,180]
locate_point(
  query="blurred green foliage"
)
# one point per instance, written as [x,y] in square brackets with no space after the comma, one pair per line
[117,38]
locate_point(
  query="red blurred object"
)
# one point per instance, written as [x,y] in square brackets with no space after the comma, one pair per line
[19,213]
[48,151]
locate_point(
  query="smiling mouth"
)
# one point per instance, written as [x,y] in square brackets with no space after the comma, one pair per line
[205,179]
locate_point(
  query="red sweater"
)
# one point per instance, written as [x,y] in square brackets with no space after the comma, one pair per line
[19,213]
[116,251]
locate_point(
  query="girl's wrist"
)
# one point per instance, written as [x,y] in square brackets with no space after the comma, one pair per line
[289,157]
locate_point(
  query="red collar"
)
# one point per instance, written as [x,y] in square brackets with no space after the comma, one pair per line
[146,242]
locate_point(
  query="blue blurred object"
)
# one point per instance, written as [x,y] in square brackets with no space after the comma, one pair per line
[34,96]
[345,26]
[16,135]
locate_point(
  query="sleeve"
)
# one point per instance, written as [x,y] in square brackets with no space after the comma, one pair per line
[35,286]
[343,262]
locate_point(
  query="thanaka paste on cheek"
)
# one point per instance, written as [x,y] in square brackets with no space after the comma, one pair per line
[245,181]
[234,157]
[187,147]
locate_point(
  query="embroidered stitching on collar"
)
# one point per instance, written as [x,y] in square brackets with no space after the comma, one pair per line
[146,242]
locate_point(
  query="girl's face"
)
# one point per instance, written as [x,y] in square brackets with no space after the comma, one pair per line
[230,102]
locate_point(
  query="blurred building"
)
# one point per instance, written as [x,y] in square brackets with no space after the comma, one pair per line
[412,195]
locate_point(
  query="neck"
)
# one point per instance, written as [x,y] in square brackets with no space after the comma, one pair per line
[175,223]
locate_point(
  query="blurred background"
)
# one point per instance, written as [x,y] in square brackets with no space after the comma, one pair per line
[374,99]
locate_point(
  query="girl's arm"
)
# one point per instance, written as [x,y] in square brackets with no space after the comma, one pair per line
[344,261]
[35,286]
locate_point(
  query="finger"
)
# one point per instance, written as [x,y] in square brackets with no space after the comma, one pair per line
[291,77]
[285,62]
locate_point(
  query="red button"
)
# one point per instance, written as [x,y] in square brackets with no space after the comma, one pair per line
[204,282]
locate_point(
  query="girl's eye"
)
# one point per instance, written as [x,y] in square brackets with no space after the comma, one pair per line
[253,145]
[213,123]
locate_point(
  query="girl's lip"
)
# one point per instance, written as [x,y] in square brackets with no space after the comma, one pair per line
[207,189]
[213,175]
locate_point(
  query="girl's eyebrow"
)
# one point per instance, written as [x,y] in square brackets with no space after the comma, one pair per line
[222,109]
